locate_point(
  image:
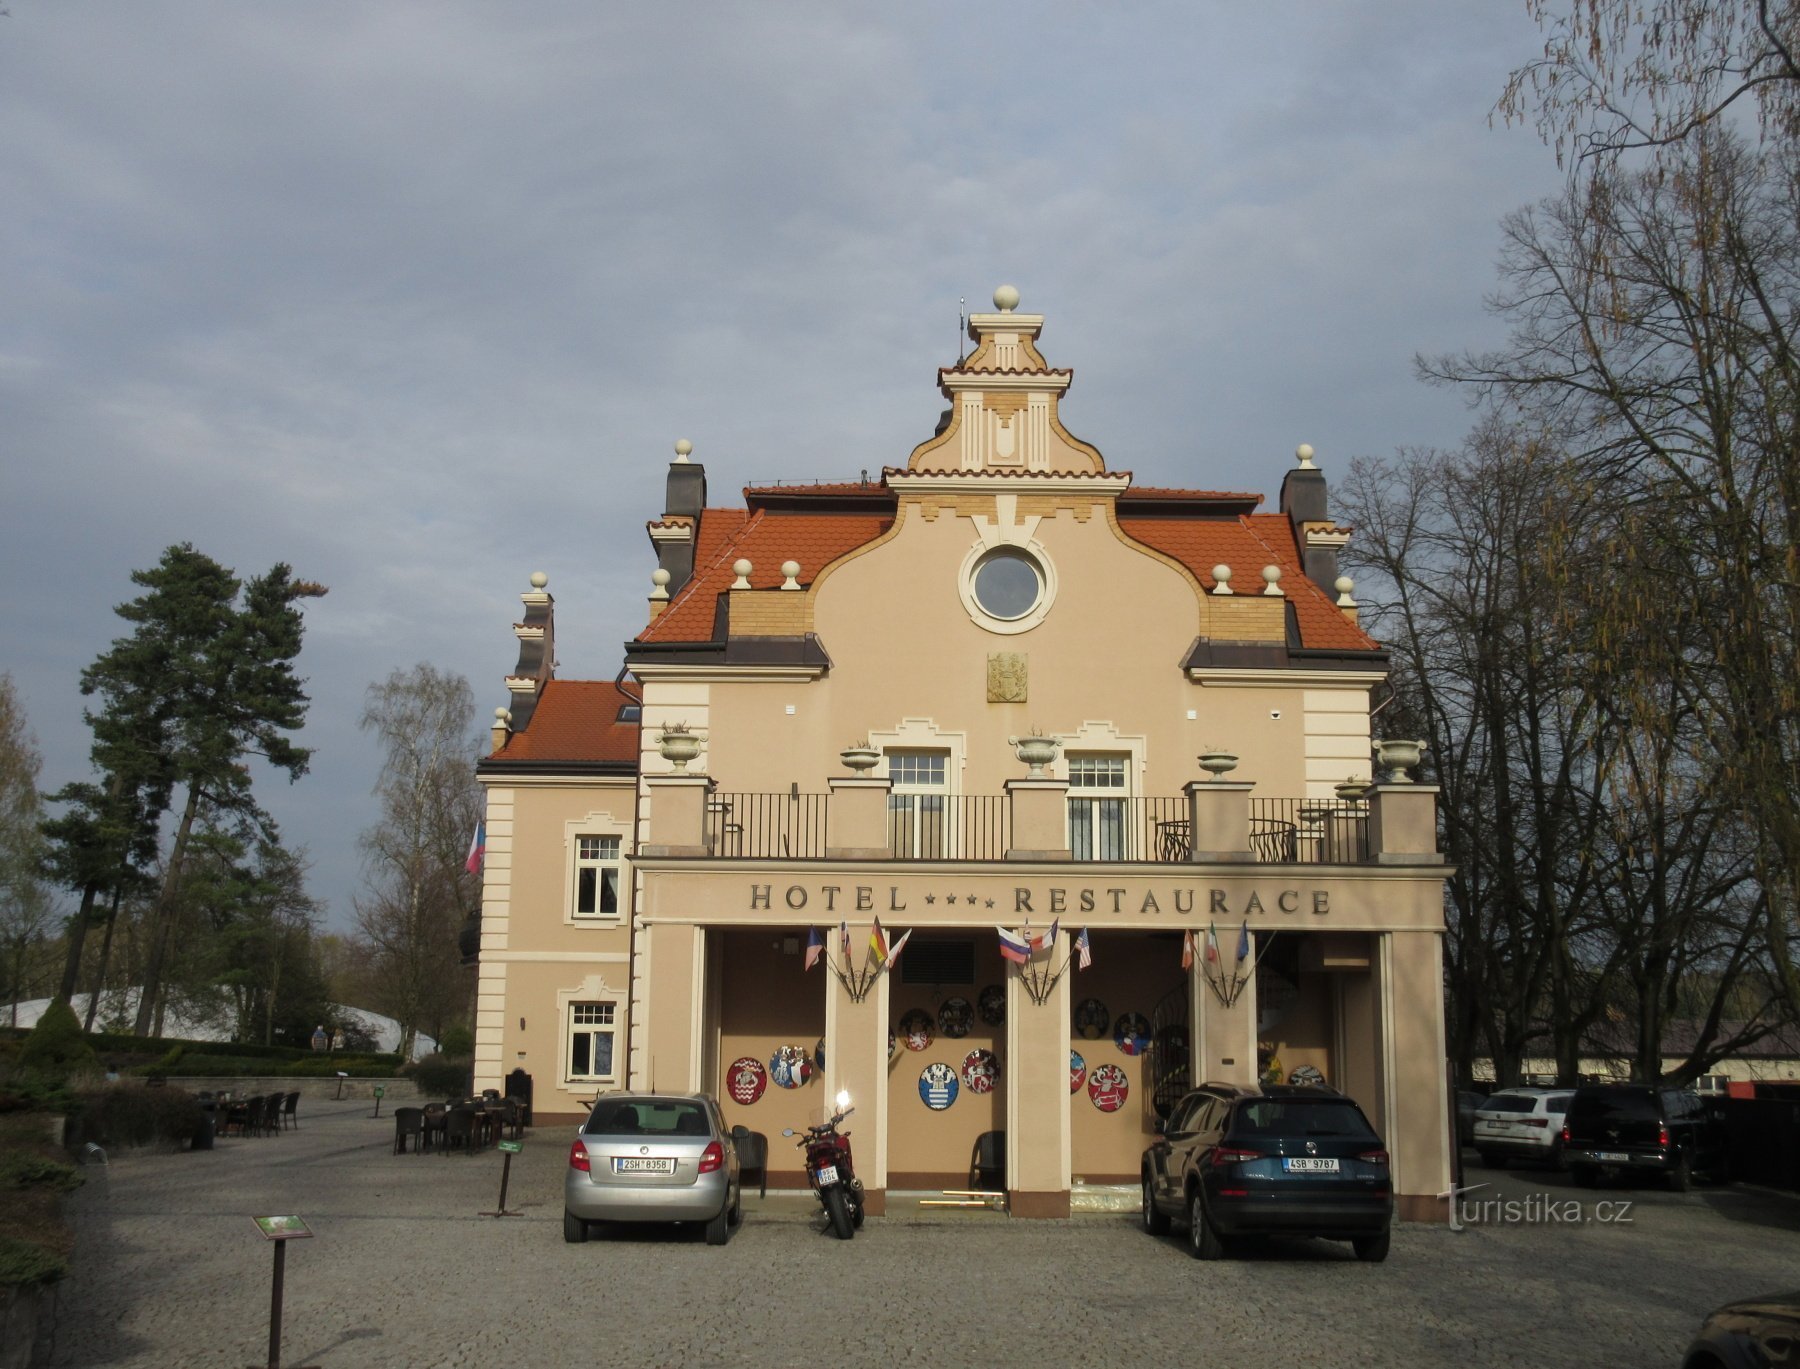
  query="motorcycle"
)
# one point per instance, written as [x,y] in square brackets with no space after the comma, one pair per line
[830,1172]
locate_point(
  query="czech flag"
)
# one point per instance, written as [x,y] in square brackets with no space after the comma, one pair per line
[1212,944]
[477,848]
[1014,947]
[815,946]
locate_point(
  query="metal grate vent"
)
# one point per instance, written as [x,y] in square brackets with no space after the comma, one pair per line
[938,962]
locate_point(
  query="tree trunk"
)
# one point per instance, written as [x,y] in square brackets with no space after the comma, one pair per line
[78,926]
[99,985]
[162,921]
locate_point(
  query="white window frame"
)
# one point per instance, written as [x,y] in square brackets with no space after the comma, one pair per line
[1097,801]
[601,862]
[612,1027]
[591,826]
[917,791]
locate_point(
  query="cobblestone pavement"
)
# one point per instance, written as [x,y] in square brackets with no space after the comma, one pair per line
[170,1272]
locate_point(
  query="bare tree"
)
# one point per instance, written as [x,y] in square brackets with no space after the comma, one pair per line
[25,911]
[418,892]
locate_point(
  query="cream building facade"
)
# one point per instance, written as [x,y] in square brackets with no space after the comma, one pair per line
[998,686]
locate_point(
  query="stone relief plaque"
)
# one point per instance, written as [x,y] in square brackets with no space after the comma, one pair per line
[1006,675]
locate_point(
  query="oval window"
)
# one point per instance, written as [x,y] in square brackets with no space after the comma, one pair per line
[1008,584]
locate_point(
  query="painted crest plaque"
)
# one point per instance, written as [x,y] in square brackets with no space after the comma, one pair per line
[1077,1071]
[790,1067]
[1131,1033]
[955,1017]
[1091,1019]
[917,1029]
[991,1004]
[745,1079]
[937,1086]
[1108,1088]
[1007,673]
[981,1071]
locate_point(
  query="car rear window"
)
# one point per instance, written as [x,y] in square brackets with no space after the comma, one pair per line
[1617,1105]
[647,1117]
[1284,1117]
[1510,1102]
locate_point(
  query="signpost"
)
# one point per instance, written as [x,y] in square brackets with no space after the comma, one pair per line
[508,1149]
[342,1075]
[379,1090]
[280,1230]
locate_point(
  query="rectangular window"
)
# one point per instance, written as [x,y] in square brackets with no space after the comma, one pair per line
[1098,826]
[917,803]
[591,1040]
[596,876]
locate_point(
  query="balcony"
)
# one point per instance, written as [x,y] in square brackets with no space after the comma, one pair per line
[980,827]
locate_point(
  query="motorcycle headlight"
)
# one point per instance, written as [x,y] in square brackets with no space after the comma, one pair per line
[843,1099]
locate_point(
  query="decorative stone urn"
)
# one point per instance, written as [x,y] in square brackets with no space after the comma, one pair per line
[1398,756]
[1350,788]
[1216,762]
[1036,751]
[860,757]
[678,746]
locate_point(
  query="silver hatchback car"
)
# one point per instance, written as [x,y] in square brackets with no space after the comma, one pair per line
[644,1157]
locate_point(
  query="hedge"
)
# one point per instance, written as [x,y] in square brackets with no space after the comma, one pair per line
[125,1044]
[137,1115]
[203,1066]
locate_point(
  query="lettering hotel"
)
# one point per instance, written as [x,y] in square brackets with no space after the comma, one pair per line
[998,685]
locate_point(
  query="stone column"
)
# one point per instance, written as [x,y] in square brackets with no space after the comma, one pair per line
[1416,1087]
[856,1060]
[1039,1144]
[1219,821]
[1040,819]
[1403,824]
[1224,1047]
[858,825]
[672,972]
[677,815]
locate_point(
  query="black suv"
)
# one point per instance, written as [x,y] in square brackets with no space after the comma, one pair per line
[1238,1160]
[1638,1128]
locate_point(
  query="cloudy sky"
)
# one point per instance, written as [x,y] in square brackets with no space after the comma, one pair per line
[416,297]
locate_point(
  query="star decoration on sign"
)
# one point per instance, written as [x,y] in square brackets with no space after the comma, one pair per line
[990,903]
[949,898]
[970,900]
[931,898]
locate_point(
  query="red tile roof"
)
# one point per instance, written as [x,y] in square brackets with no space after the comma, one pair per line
[577,720]
[1163,492]
[765,538]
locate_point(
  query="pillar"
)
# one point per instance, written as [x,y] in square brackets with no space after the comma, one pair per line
[1219,820]
[856,1060]
[858,824]
[1039,1143]
[1040,820]
[677,815]
[1416,1089]
[672,971]
[1403,824]
[1224,1045]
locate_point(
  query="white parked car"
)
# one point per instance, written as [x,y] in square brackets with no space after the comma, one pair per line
[1521,1124]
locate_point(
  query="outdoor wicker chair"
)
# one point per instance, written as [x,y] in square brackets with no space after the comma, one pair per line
[271,1114]
[409,1122]
[753,1157]
[289,1112]
[459,1129]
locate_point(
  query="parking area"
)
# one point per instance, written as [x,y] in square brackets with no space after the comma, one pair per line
[402,1271]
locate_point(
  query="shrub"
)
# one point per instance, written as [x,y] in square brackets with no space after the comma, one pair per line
[19,1169]
[458,1043]
[22,1264]
[438,1077]
[57,1047]
[135,1115]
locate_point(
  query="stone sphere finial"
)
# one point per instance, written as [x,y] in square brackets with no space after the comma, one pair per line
[1272,579]
[659,582]
[539,579]
[741,568]
[1006,298]
[1221,575]
[1304,454]
[502,715]
[790,574]
[682,448]
[1344,585]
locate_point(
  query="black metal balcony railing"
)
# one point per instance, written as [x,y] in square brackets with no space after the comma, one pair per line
[978,827]
[787,826]
[1310,831]
[949,826]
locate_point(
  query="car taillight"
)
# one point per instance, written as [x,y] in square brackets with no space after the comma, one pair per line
[1373,1157]
[1565,1134]
[712,1158]
[578,1157]
[1225,1156]
[1662,1135]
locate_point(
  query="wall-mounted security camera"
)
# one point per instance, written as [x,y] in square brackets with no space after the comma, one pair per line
[1274,712]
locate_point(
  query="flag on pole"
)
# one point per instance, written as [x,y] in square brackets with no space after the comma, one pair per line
[1014,947]
[1244,941]
[878,943]
[815,946]
[477,848]
[1084,953]
[1187,950]
[893,958]
[1050,936]
[1212,944]
[844,941]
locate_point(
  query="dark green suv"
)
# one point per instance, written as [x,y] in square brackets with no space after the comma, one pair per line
[1236,1160]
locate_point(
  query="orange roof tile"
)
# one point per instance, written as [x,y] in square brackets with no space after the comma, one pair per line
[765,538]
[1167,492]
[576,720]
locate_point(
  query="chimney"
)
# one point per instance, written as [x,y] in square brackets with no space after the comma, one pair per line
[1303,501]
[537,651]
[673,534]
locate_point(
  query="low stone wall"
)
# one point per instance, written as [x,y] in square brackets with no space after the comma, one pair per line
[403,1090]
